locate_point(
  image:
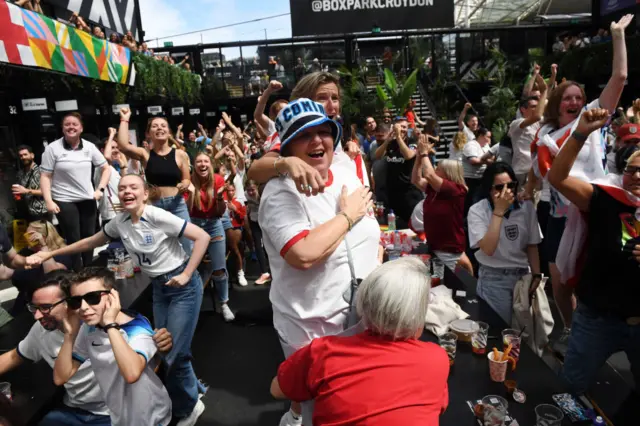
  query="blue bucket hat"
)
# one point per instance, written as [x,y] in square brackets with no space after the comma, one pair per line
[300,115]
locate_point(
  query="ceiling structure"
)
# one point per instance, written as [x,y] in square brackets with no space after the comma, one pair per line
[509,12]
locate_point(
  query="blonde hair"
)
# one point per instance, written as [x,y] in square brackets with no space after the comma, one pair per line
[209,182]
[309,84]
[52,239]
[459,140]
[633,156]
[453,171]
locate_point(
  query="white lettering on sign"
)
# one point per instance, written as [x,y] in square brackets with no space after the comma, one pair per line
[13,110]
[70,105]
[342,5]
[34,104]
[210,113]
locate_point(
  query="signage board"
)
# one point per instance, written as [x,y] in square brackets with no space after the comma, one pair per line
[153,110]
[116,108]
[177,111]
[316,17]
[70,105]
[194,111]
[34,104]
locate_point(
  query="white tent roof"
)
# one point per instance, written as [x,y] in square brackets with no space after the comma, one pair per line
[492,12]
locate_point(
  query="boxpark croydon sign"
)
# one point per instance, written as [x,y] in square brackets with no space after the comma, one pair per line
[316,17]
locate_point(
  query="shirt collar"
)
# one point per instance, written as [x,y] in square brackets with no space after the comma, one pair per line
[67,145]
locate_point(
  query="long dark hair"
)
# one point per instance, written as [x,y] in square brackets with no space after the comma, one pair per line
[490,173]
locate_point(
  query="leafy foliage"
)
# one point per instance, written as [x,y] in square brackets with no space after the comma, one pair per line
[158,79]
[397,95]
[501,101]
[357,103]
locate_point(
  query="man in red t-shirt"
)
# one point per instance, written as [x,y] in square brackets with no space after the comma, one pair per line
[384,375]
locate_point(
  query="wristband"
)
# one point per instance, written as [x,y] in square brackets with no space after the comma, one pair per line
[101,190]
[275,167]
[346,216]
[126,121]
[498,215]
[579,136]
[112,325]
[424,155]
[534,276]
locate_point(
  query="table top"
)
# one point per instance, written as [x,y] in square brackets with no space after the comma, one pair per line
[469,376]
[32,384]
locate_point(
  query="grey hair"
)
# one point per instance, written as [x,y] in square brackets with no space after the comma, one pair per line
[394,298]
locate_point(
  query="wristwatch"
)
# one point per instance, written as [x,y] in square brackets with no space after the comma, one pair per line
[534,276]
[112,325]
[101,190]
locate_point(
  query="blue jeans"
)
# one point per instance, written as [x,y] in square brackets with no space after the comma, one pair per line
[217,253]
[178,207]
[226,220]
[70,416]
[594,338]
[495,286]
[177,309]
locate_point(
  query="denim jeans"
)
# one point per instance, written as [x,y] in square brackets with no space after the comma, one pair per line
[217,253]
[70,416]
[177,309]
[495,286]
[594,338]
[178,207]
[226,220]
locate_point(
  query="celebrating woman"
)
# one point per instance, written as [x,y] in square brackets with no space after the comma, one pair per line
[561,116]
[206,207]
[605,321]
[151,235]
[65,181]
[324,88]
[443,207]
[314,243]
[165,168]
[456,146]
[507,233]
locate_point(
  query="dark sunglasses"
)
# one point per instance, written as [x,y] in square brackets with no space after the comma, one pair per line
[510,185]
[92,298]
[44,309]
[631,170]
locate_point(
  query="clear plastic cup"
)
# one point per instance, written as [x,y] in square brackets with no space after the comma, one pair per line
[449,342]
[479,338]
[548,415]
[495,410]
[497,368]
[437,277]
[511,336]
[5,389]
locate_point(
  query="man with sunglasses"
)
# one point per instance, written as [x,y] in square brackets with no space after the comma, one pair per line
[83,402]
[119,345]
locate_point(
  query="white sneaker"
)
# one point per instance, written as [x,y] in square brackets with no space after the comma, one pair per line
[264,278]
[193,417]
[226,313]
[288,420]
[241,279]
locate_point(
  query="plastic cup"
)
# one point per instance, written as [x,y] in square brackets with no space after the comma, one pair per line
[548,415]
[5,389]
[495,410]
[497,369]
[479,338]
[437,277]
[511,336]
[449,342]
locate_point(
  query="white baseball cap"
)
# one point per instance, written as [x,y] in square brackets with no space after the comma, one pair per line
[300,115]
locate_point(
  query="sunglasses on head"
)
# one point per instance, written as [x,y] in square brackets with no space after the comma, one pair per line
[44,309]
[631,170]
[510,185]
[92,298]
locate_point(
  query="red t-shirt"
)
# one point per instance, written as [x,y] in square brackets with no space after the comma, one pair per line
[444,217]
[218,182]
[411,118]
[237,217]
[369,379]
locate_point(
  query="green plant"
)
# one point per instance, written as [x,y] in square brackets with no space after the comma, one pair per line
[501,100]
[158,79]
[357,103]
[397,95]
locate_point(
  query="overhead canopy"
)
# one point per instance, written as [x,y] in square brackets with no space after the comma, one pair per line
[492,12]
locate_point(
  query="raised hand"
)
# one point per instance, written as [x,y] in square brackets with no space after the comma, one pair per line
[112,132]
[468,105]
[503,201]
[617,28]
[274,86]
[592,120]
[112,308]
[71,323]
[125,114]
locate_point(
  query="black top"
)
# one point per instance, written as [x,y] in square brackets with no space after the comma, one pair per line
[609,281]
[5,242]
[163,170]
[398,169]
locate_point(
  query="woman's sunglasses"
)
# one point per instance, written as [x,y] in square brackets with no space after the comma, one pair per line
[631,170]
[92,298]
[510,185]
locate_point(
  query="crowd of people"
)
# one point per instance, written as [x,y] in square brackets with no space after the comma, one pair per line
[295,189]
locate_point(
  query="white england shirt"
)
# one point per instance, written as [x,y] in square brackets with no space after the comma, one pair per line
[153,242]
[473,149]
[517,231]
[82,390]
[143,403]
[521,142]
[309,304]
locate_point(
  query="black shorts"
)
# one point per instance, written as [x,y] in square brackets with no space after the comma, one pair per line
[555,229]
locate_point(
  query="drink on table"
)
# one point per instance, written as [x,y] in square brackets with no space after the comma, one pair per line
[494,411]
[479,338]
[449,342]
[512,337]
[548,415]
[437,274]
[391,221]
